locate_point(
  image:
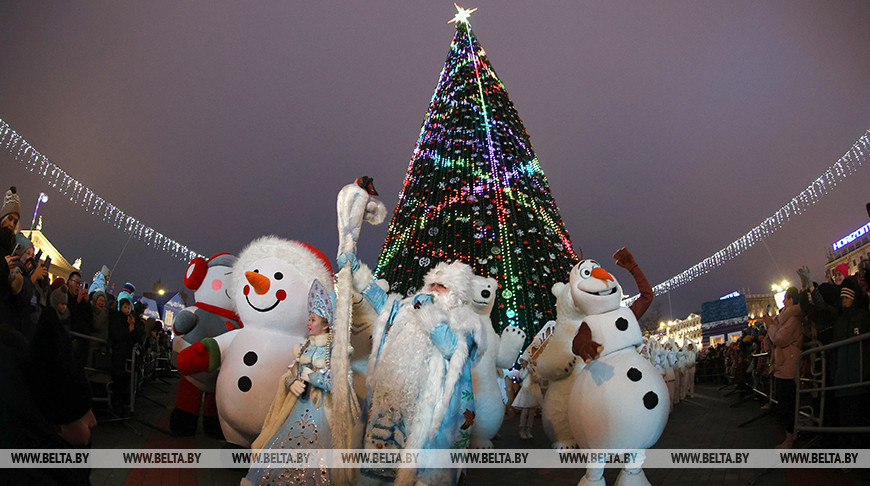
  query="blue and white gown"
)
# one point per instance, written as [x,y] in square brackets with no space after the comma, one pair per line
[302,422]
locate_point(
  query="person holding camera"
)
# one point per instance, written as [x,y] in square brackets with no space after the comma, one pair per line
[80,312]
[31,288]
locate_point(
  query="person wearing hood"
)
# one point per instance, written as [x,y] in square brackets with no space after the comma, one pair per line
[100,313]
[122,338]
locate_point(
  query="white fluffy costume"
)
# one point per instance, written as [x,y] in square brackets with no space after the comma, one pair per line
[270,287]
[419,370]
[619,400]
[501,353]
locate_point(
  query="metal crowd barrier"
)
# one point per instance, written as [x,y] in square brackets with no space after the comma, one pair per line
[809,417]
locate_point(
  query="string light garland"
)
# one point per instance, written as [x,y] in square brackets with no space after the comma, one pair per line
[79,194]
[847,165]
[474,191]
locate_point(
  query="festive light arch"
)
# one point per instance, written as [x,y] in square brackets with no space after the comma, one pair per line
[847,165]
[79,194]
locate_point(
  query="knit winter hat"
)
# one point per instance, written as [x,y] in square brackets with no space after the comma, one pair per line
[843,268]
[129,288]
[59,295]
[11,203]
[23,241]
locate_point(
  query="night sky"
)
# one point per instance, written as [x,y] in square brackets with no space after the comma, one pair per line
[669,127]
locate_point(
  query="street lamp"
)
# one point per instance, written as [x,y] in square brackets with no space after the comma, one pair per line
[43,197]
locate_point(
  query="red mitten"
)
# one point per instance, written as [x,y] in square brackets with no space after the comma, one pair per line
[199,357]
[584,346]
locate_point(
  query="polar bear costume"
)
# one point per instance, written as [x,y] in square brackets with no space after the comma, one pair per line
[501,353]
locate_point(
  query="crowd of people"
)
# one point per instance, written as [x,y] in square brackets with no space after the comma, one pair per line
[54,332]
[767,357]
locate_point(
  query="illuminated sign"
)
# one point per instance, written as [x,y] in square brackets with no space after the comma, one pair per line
[852,237]
[732,294]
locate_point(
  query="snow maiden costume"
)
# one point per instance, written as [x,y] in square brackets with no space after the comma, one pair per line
[301,422]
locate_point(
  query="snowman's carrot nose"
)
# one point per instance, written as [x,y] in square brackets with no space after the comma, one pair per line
[601,274]
[261,283]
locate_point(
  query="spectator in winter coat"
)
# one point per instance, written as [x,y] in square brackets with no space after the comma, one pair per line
[28,303]
[851,363]
[122,339]
[785,332]
[79,305]
[100,313]
[9,212]
[58,383]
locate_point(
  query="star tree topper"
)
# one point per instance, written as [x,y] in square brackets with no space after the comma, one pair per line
[461,14]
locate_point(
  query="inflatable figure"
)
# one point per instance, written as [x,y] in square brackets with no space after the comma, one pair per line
[213,314]
[501,353]
[619,400]
[270,287]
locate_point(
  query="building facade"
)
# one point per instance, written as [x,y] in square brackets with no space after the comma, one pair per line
[853,249]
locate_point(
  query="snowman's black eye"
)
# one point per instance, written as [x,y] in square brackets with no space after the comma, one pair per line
[279,275]
[256,271]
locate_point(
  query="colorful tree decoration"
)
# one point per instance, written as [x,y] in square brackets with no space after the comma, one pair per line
[474,191]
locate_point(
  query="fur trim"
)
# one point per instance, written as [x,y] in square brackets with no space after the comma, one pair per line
[378,327]
[431,315]
[456,276]
[454,372]
[299,254]
[362,277]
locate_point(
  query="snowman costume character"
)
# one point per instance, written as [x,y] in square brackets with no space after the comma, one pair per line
[559,365]
[271,280]
[501,353]
[419,370]
[619,400]
[213,314]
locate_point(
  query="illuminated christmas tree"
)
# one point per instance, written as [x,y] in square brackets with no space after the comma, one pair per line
[474,191]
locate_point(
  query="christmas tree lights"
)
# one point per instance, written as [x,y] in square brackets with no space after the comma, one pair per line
[474,191]
[80,195]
